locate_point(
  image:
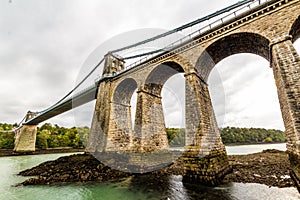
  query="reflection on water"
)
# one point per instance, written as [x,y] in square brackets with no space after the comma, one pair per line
[137,187]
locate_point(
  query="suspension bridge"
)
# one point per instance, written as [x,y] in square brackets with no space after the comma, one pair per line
[189,31]
[267,28]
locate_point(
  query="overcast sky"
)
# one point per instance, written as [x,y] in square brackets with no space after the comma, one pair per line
[44,44]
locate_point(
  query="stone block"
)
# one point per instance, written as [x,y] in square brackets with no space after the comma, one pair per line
[25,139]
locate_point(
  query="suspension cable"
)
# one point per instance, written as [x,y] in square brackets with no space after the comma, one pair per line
[193,23]
[78,85]
[227,9]
[19,125]
[144,54]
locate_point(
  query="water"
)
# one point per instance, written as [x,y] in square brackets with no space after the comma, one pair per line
[246,149]
[132,188]
[254,148]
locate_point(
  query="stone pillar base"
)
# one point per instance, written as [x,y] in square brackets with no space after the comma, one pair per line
[208,170]
[295,169]
[137,163]
[25,139]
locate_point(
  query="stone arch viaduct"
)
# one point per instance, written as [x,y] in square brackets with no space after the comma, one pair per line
[268,31]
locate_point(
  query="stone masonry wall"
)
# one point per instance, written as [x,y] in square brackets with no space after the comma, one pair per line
[149,130]
[25,139]
[119,135]
[205,159]
[286,67]
[98,136]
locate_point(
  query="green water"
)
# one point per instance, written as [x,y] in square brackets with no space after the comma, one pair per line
[131,188]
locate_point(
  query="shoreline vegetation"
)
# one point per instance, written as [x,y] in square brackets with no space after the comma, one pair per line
[53,136]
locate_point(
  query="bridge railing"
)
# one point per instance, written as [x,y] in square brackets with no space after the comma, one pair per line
[189,37]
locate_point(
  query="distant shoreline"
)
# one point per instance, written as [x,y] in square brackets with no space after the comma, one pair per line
[238,144]
[10,152]
[252,143]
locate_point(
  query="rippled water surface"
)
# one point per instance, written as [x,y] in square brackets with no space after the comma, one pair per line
[144,187]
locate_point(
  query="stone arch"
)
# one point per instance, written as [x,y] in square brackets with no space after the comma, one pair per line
[229,45]
[160,74]
[295,30]
[119,134]
[124,91]
[150,130]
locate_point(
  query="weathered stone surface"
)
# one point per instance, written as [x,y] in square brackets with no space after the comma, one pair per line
[113,64]
[135,162]
[25,139]
[149,130]
[205,157]
[207,170]
[111,127]
[268,31]
[98,136]
[286,67]
[295,165]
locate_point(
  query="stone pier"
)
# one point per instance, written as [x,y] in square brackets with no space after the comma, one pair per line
[205,158]
[286,67]
[111,129]
[150,131]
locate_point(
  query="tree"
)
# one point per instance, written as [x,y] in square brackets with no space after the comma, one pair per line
[7,140]
[252,135]
[42,139]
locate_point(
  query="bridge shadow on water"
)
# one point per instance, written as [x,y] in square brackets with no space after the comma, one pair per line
[172,187]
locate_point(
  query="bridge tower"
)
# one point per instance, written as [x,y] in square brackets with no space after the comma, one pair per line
[106,133]
[25,137]
[113,63]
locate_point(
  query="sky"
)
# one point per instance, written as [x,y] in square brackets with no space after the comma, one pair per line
[45,46]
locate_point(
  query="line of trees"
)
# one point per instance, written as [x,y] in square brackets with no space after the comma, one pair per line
[49,136]
[52,136]
[234,135]
[7,139]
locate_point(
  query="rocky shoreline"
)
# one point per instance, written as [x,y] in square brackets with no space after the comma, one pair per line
[270,167]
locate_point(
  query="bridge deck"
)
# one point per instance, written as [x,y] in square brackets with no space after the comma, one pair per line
[77,100]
